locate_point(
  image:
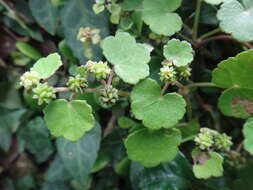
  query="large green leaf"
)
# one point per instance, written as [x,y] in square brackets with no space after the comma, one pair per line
[79,157]
[45,14]
[150,148]
[79,13]
[130,58]
[248,135]
[158,14]
[237,102]
[180,53]
[237,19]
[47,66]
[155,110]
[35,138]
[235,72]
[175,175]
[69,119]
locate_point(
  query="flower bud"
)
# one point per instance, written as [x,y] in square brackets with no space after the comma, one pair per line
[223,142]
[44,93]
[77,83]
[29,80]
[167,74]
[88,34]
[108,96]
[100,69]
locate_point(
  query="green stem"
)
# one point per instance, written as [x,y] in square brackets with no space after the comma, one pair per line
[206,35]
[196,20]
[200,84]
[189,107]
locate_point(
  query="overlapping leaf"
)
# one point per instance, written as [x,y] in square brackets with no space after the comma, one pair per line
[130,58]
[150,148]
[155,110]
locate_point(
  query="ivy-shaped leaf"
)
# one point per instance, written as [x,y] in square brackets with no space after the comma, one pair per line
[79,157]
[237,19]
[248,134]
[130,58]
[47,66]
[208,166]
[45,14]
[158,14]
[235,72]
[150,148]
[155,110]
[69,119]
[237,102]
[180,53]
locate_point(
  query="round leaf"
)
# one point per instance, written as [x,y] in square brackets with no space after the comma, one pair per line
[155,110]
[248,135]
[158,14]
[130,58]
[237,19]
[179,52]
[237,102]
[235,72]
[150,148]
[69,119]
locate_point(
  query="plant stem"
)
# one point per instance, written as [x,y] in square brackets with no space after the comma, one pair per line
[208,34]
[110,77]
[200,84]
[189,107]
[196,20]
[166,85]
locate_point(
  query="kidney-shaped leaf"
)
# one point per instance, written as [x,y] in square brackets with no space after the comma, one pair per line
[235,72]
[47,66]
[150,148]
[155,110]
[130,58]
[158,14]
[69,119]
[237,19]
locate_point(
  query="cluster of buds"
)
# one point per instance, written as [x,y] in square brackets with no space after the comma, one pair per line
[158,38]
[108,96]
[77,83]
[44,93]
[170,73]
[209,139]
[89,35]
[100,69]
[29,80]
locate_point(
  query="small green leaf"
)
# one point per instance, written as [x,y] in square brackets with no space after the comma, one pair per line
[237,102]
[248,135]
[130,58]
[179,52]
[69,119]
[79,157]
[45,14]
[146,100]
[158,14]
[236,19]
[28,50]
[126,123]
[235,72]
[150,148]
[209,166]
[47,66]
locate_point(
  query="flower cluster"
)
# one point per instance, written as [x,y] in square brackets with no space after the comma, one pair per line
[209,139]
[89,35]
[100,69]
[108,96]
[77,83]
[44,93]
[29,80]
[158,38]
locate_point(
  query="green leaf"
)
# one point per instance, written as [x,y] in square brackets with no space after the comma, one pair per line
[244,178]
[76,14]
[131,5]
[79,157]
[45,14]
[175,175]
[237,19]
[69,119]
[237,102]
[56,186]
[235,72]
[158,14]
[130,58]
[150,148]
[28,50]
[126,123]
[208,166]
[248,134]
[35,136]
[146,100]
[179,52]
[215,2]
[47,66]
[102,161]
